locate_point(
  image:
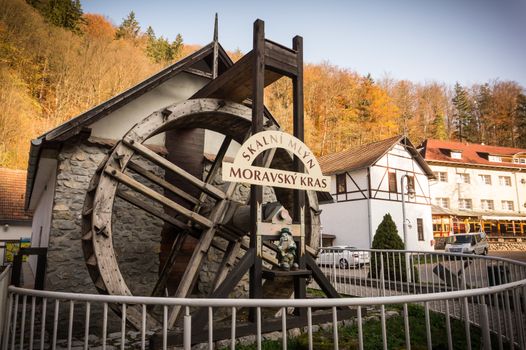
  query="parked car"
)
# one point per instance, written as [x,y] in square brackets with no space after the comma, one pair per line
[342,257]
[467,243]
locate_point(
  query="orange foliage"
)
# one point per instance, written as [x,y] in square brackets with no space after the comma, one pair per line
[98,26]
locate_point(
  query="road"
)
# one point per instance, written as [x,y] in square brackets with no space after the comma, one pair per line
[515,255]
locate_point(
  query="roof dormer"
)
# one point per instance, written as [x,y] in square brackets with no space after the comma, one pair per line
[494,158]
[455,154]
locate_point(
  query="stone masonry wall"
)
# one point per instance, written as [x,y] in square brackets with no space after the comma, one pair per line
[136,234]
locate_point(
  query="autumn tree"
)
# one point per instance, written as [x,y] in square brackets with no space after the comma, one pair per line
[463,116]
[129,28]
[521,120]
[62,13]
[160,50]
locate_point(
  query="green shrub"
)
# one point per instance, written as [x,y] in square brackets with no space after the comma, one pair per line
[394,264]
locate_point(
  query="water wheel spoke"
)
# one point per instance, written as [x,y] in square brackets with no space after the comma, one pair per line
[161,182]
[136,201]
[148,192]
[211,190]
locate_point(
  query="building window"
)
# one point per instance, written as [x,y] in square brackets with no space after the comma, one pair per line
[519,160]
[411,184]
[463,178]
[441,176]
[420,228]
[456,155]
[487,204]
[505,180]
[507,205]
[442,202]
[464,203]
[392,182]
[496,159]
[485,179]
[341,183]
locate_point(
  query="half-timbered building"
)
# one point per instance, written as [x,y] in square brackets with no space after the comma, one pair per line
[367,184]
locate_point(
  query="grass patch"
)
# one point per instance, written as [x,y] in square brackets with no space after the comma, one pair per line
[372,334]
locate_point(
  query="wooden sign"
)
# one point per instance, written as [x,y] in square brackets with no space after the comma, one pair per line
[242,170]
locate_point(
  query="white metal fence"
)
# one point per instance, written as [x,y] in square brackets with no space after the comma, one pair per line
[484,295]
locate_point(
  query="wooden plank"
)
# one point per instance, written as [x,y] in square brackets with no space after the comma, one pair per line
[229,259]
[154,157]
[256,192]
[228,285]
[198,72]
[139,187]
[320,278]
[190,275]
[132,199]
[161,182]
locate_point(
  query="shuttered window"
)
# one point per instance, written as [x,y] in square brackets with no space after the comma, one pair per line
[420,228]
[392,182]
[341,184]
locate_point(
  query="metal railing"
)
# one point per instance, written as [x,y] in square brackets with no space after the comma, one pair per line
[483,296]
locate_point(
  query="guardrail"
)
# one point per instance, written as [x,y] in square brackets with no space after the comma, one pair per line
[485,295]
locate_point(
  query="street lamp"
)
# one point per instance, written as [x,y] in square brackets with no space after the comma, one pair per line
[411,194]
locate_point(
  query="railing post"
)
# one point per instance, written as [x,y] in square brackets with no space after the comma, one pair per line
[187,337]
[484,326]
[4,296]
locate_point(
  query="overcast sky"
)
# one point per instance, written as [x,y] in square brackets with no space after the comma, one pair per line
[470,41]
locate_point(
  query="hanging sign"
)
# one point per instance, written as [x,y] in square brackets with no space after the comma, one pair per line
[242,170]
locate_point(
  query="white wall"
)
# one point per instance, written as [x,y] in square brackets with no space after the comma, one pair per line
[476,190]
[413,211]
[14,231]
[352,221]
[116,124]
[42,205]
[348,221]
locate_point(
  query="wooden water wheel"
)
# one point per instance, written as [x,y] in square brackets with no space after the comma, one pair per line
[120,169]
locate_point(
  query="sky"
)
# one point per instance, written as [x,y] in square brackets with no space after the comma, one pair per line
[469,41]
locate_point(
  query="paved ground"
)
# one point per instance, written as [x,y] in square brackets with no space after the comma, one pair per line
[515,255]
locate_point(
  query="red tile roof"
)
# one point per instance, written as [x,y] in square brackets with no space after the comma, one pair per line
[472,153]
[12,191]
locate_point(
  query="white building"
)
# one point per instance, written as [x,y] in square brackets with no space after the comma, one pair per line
[367,184]
[477,187]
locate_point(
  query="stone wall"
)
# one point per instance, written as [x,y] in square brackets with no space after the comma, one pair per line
[136,234]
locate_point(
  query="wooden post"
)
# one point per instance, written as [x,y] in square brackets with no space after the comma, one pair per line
[256,192]
[299,195]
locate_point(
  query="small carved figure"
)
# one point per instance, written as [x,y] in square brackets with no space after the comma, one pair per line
[287,250]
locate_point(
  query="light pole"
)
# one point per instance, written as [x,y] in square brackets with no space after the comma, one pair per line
[411,194]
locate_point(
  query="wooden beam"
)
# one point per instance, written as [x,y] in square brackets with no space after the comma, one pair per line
[229,259]
[148,192]
[161,182]
[133,199]
[200,251]
[154,157]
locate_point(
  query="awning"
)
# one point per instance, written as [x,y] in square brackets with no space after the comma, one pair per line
[507,218]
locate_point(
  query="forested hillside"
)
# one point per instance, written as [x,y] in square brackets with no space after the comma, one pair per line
[56,62]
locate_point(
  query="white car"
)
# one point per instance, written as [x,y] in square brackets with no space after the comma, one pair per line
[467,243]
[342,257]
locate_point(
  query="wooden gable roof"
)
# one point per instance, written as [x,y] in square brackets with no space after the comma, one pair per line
[364,156]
